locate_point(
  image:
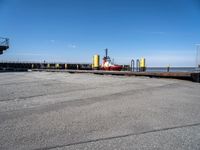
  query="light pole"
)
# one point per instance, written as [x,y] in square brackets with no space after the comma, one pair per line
[198,55]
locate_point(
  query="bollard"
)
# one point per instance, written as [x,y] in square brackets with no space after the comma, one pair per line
[168,67]
[65,66]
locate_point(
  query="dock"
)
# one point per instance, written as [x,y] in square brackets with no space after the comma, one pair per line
[50,110]
[192,76]
[86,68]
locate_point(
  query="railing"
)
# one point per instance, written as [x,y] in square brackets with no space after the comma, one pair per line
[4,42]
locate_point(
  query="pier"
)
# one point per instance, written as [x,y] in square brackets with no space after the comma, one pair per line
[192,76]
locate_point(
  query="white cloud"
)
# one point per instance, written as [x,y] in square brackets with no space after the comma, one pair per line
[28,54]
[52,41]
[72,46]
[150,32]
[157,32]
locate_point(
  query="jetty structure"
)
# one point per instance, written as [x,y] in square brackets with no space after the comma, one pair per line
[4,44]
[107,68]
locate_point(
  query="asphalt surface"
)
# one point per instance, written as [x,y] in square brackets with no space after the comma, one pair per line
[40,110]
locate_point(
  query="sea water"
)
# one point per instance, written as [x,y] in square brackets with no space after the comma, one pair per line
[172,69]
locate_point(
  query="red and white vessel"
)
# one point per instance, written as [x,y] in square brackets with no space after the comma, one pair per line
[108,65]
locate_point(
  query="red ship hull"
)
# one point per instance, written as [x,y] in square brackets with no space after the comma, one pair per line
[113,68]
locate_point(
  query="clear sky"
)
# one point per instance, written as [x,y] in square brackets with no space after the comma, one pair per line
[163,31]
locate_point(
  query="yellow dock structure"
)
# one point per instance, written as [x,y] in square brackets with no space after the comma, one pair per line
[142,64]
[96,62]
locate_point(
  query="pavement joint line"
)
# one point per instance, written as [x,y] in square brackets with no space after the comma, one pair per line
[10,111]
[119,136]
[56,93]
[18,83]
[40,95]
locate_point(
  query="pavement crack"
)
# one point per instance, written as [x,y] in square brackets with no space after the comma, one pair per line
[119,136]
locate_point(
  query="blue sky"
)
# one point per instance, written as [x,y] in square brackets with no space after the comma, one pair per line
[163,31]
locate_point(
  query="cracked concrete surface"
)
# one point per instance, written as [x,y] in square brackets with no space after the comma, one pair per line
[40,110]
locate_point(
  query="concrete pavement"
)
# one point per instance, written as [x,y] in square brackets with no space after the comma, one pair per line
[41,110]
